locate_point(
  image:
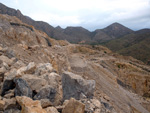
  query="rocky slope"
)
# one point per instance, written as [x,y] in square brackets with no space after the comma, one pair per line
[40,74]
[135,45]
[71,34]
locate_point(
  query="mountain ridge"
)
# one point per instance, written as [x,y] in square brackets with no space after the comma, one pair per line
[55,33]
[80,35]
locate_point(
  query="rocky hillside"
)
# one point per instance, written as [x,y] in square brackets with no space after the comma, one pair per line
[42,75]
[71,34]
[135,45]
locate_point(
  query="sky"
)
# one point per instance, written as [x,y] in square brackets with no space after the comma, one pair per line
[90,14]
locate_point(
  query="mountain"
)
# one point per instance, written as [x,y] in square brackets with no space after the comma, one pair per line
[40,74]
[136,45]
[71,34]
[116,37]
[117,30]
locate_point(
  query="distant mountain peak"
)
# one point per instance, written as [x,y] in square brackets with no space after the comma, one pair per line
[117,30]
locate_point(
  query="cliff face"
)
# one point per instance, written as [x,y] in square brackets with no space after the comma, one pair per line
[98,79]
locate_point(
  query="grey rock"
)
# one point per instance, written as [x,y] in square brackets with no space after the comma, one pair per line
[22,88]
[75,86]
[46,93]
[7,85]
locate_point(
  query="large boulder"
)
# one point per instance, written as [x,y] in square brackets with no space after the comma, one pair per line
[22,88]
[74,106]
[29,106]
[75,86]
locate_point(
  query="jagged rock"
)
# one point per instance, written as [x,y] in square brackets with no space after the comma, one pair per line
[10,103]
[75,86]
[35,83]
[46,93]
[22,88]
[43,68]
[45,103]
[74,106]
[2,105]
[29,106]
[29,69]
[51,110]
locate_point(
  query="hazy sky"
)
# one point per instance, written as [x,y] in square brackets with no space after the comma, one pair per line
[90,14]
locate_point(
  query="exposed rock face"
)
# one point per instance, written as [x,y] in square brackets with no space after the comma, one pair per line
[29,106]
[74,106]
[22,88]
[75,86]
